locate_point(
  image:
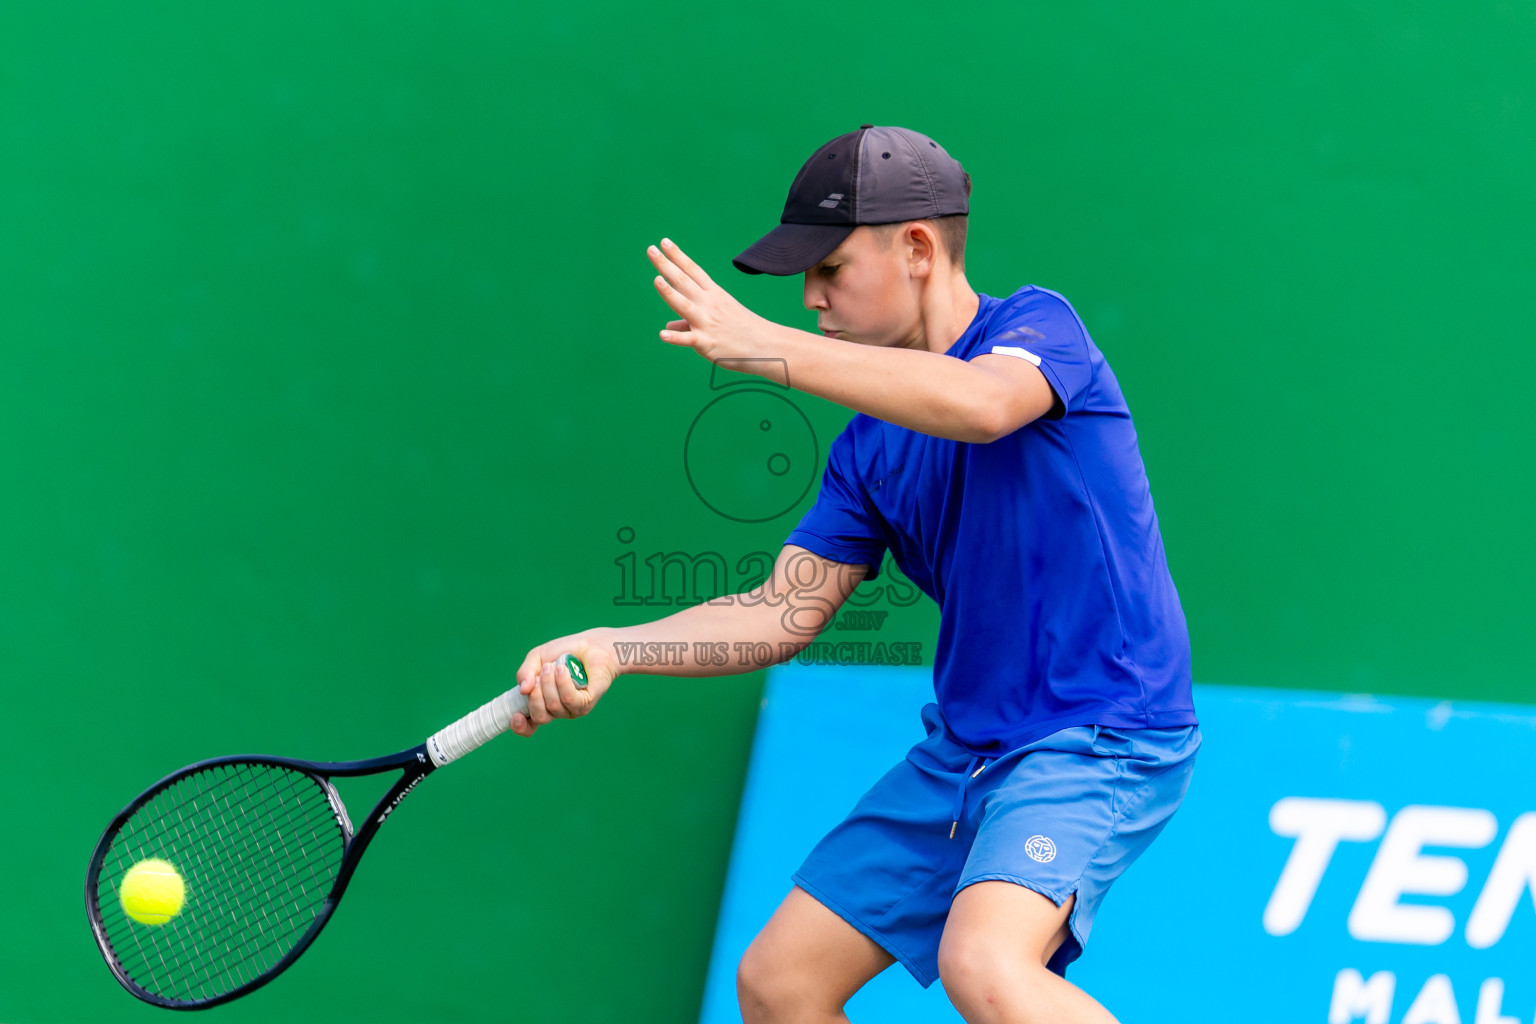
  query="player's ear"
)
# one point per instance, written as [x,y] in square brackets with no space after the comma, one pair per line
[921,245]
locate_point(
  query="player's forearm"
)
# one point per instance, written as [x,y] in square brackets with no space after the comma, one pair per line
[920,390]
[739,633]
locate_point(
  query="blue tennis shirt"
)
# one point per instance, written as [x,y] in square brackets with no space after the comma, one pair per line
[1041,549]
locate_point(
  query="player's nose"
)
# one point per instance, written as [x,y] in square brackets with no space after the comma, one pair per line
[815,297]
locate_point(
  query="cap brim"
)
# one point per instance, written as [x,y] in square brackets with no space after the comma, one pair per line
[792,248]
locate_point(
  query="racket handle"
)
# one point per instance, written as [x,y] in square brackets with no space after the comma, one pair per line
[489,720]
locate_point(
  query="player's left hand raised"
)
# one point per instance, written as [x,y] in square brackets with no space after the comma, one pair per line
[714,324]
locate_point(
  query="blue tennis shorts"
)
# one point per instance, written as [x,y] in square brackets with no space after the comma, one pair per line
[1063,815]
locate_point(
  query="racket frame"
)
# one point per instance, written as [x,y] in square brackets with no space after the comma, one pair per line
[414,764]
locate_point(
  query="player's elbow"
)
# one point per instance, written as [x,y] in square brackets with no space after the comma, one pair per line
[1005,415]
[1006,395]
[990,422]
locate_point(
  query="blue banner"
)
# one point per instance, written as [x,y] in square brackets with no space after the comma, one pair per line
[1338,859]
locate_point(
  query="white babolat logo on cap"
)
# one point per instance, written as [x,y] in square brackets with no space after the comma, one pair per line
[1041,849]
[831,201]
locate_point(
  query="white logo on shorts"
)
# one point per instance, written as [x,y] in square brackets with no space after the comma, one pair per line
[1041,849]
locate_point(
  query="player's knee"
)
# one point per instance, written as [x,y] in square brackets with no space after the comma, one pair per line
[960,964]
[766,989]
[974,971]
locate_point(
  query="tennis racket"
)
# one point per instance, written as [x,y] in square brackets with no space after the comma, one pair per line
[265,848]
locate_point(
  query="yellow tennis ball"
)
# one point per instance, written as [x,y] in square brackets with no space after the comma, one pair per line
[152,891]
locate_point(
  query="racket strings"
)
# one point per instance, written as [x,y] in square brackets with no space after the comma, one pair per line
[173,833]
[259,869]
[258,846]
[230,959]
[253,861]
[255,865]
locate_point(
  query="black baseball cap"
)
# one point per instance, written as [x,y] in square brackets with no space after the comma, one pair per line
[876,175]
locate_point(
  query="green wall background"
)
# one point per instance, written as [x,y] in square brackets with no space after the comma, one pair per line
[328,380]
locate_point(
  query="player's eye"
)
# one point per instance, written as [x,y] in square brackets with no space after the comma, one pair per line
[827,270]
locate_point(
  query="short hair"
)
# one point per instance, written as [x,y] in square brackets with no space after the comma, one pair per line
[950,229]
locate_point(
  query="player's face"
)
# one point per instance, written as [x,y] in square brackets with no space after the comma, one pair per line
[864,293]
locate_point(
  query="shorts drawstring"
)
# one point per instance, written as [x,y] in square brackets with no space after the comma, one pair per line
[971,771]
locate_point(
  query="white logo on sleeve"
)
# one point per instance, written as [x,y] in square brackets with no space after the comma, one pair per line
[1016,352]
[1041,849]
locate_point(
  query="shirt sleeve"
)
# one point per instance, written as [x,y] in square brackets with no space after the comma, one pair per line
[841,526]
[1041,328]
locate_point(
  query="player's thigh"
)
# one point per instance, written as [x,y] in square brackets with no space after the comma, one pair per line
[806,952]
[994,925]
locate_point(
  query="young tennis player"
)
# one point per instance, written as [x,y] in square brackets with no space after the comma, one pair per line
[993,455]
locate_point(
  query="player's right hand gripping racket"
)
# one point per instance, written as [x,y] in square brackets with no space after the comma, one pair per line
[265,849]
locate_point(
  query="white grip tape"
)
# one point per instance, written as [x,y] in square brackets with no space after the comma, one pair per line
[476,728]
